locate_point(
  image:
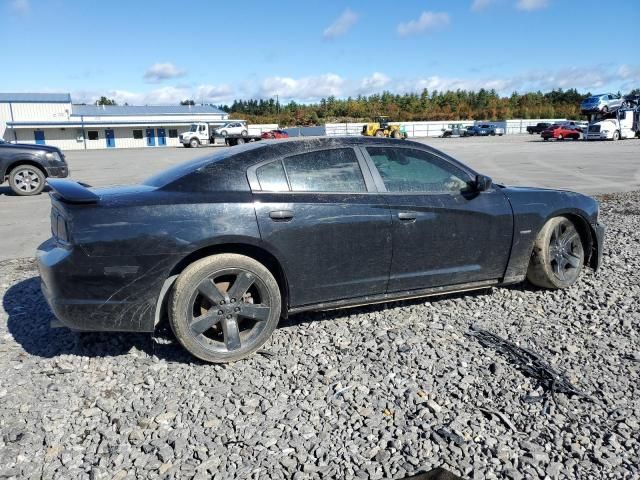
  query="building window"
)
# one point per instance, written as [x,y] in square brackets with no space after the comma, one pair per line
[92,134]
[173,133]
[137,134]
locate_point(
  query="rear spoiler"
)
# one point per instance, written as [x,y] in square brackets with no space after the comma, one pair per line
[71,191]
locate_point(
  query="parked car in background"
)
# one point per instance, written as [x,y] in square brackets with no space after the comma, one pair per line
[602,103]
[560,132]
[578,125]
[26,166]
[274,134]
[469,131]
[538,127]
[232,128]
[485,129]
[228,244]
[454,130]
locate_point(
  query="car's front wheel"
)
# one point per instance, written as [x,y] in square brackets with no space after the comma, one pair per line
[558,255]
[26,180]
[224,307]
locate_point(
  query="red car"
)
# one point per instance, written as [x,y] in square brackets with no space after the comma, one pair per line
[275,134]
[560,132]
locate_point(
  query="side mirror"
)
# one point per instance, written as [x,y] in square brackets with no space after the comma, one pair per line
[483,183]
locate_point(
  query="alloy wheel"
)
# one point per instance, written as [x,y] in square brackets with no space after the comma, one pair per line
[229,310]
[565,251]
[27,180]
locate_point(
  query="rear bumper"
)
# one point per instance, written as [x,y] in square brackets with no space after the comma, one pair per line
[84,295]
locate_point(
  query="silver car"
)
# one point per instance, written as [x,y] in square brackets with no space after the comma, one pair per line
[604,102]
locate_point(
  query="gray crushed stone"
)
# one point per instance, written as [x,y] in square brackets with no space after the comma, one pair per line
[365,393]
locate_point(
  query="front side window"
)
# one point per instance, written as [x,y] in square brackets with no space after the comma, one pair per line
[412,171]
[335,170]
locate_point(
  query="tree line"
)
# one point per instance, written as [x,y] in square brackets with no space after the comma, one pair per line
[427,105]
[435,105]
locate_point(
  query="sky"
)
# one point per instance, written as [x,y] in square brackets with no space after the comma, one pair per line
[161,52]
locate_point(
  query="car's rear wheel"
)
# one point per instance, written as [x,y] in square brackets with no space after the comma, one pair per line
[396,134]
[244,133]
[223,133]
[605,109]
[224,307]
[558,255]
[26,180]
[560,137]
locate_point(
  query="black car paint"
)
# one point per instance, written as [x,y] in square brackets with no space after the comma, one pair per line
[14,154]
[127,248]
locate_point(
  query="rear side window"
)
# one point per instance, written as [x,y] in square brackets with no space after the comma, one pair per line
[272,177]
[335,170]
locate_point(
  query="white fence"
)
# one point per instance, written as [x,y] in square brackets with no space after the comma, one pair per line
[434,129]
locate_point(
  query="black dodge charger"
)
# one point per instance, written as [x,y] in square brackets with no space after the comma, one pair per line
[226,245]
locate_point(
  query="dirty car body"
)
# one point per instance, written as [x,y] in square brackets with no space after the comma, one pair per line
[331,236]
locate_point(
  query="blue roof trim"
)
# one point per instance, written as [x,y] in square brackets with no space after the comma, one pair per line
[35,98]
[127,110]
[86,124]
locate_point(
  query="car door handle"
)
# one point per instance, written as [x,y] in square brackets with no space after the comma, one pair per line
[407,216]
[281,215]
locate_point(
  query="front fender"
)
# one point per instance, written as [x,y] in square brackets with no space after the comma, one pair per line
[532,208]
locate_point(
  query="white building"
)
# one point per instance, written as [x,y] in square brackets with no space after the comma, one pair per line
[51,119]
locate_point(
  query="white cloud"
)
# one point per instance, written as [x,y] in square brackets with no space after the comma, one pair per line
[374,83]
[597,78]
[21,7]
[427,22]
[162,71]
[341,25]
[479,5]
[529,5]
[303,89]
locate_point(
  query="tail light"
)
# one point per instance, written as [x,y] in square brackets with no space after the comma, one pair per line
[59,229]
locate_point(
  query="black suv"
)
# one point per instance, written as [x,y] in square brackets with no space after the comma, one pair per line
[27,166]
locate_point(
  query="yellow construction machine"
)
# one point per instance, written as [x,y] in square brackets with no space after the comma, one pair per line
[381,128]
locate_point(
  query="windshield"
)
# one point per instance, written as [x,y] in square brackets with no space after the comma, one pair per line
[193,128]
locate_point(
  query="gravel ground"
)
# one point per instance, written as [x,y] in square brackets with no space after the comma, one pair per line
[369,393]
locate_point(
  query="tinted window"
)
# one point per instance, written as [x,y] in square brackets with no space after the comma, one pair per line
[409,170]
[173,133]
[137,134]
[325,171]
[93,135]
[272,178]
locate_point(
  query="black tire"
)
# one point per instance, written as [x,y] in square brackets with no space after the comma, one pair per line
[237,302]
[557,258]
[560,137]
[244,133]
[194,143]
[605,109]
[240,141]
[379,133]
[26,180]
[223,133]
[396,134]
[616,136]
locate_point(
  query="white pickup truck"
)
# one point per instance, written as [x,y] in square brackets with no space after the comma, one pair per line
[221,133]
[623,123]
